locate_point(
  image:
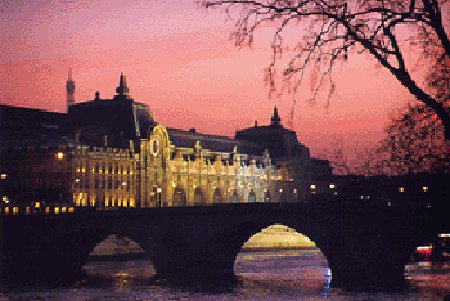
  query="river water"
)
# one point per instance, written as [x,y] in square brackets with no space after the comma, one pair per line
[277,275]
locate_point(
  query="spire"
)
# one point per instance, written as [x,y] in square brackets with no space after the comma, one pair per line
[70,89]
[122,90]
[275,120]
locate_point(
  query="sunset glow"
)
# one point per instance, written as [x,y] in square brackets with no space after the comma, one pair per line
[179,59]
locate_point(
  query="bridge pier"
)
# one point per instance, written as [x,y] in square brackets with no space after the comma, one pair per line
[375,276]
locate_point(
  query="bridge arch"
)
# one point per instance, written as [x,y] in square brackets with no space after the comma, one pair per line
[223,248]
[279,251]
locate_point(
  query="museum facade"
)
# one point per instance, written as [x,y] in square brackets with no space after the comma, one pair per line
[110,153]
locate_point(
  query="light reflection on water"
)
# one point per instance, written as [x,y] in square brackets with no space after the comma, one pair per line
[297,275]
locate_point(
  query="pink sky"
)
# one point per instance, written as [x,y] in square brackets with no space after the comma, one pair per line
[179,60]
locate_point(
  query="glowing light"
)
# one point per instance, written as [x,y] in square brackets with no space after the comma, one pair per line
[60,155]
[15,210]
[56,210]
[312,186]
[401,189]
[444,235]
[5,199]
[281,189]
[70,209]
[3,176]
[425,188]
[37,205]
[332,186]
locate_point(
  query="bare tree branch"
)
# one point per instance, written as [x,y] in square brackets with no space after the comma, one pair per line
[329,29]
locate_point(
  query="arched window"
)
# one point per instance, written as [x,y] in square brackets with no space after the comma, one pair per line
[198,197]
[252,197]
[179,197]
[234,197]
[217,197]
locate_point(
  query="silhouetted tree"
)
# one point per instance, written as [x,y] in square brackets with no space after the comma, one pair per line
[362,163]
[414,144]
[330,30]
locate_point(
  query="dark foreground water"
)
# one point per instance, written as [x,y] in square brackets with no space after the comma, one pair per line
[293,275]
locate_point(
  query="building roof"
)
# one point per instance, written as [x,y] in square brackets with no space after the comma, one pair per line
[183,138]
[26,123]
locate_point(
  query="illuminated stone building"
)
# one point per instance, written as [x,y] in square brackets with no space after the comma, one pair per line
[109,153]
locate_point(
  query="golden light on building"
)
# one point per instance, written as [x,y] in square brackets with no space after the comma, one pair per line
[60,155]
[312,186]
[332,186]
[401,189]
[425,188]
[56,210]
[37,205]
[3,176]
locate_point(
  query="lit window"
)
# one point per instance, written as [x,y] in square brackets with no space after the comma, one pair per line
[37,205]
[401,189]
[312,186]
[60,155]
[15,210]
[281,189]
[332,186]
[3,176]
[425,188]
[56,210]
[295,190]
[5,199]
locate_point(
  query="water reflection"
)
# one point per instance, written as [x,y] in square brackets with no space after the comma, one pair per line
[300,271]
[274,275]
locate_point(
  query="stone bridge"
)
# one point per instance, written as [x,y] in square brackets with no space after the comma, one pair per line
[366,246]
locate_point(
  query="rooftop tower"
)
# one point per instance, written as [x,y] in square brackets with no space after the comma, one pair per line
[70,88]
